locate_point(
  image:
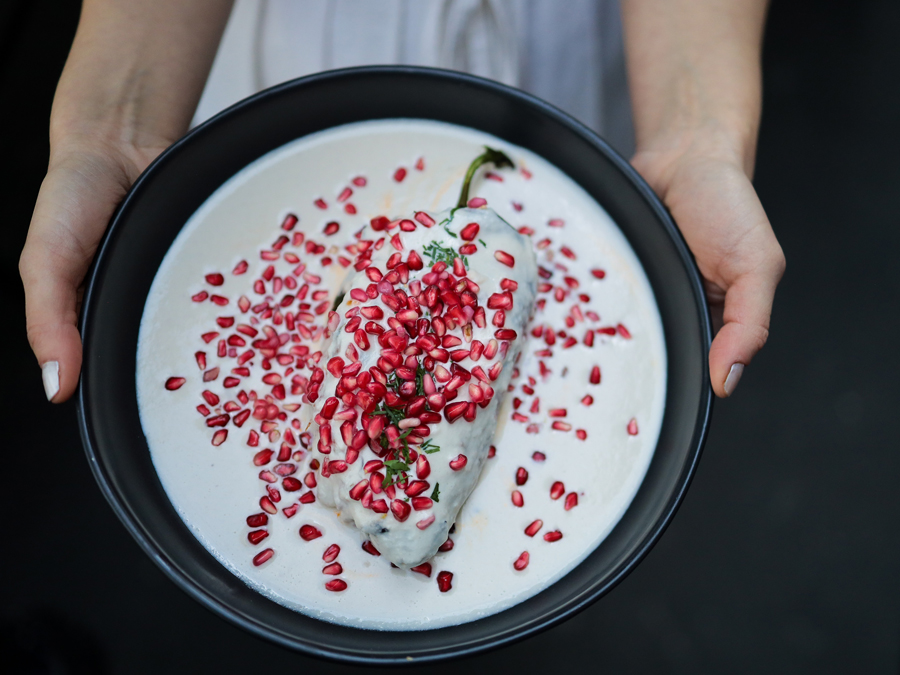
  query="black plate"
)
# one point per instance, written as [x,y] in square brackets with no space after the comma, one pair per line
[181,179]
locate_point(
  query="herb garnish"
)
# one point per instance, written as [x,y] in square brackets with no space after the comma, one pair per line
[481,241]
[436,493]
[420,379]
[428,448]
[393,468]
[439,253]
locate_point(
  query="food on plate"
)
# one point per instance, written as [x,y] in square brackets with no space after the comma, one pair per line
[418,357]
[543,399]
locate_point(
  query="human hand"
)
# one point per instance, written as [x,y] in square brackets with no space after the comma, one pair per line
[131,83]
[87,178]
[706,186]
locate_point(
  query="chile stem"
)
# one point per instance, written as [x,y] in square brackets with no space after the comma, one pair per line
[496,157]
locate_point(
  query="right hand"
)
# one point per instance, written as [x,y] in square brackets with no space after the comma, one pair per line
[88,176]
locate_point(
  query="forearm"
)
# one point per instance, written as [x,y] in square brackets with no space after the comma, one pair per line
[694,72]
[136,70]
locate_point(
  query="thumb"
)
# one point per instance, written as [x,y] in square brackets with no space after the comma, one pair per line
[51,316]
[73,207]
[747,311]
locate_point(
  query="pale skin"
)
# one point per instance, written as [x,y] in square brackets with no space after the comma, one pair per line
[137,69]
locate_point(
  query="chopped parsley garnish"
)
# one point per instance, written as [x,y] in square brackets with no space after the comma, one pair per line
[428,448]
[420,377]
[394,415]
[445,254]
[393,468]
[450,233]
[436,493]
[481,241]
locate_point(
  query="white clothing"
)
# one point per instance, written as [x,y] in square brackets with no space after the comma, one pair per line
[567,52]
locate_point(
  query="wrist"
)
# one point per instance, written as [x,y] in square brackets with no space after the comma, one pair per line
[680,142]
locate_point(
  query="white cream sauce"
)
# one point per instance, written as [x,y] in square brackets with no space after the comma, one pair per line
[214,488]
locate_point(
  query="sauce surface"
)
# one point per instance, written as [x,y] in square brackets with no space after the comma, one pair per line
[558,423]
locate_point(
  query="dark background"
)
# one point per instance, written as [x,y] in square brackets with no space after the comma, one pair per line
[784,557]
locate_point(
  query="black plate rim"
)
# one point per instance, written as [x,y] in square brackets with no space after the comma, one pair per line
[214,604]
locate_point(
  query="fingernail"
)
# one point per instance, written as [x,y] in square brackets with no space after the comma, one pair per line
[734,376]
[50,376]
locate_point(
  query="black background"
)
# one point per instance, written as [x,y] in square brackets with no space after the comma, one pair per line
[784,557]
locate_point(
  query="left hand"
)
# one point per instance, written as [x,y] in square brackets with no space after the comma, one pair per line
[706,186]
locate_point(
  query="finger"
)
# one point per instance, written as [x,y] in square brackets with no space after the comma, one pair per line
[70,215]
[748,308]
[50,313]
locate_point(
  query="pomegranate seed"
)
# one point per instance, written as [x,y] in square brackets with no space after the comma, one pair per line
[336,585]
[263,556]
[453,412]
[174,383]
[556,535]
[219,437]
[200,297]
[266,505]
[357,491]
[333,569]
[262,457]
[534,528]
[424,568]
[446,546]
[416,487]
[557,412]
[632,427]
[518,499]
[521,562]
[331,553]
[469,232]
[257,520]
[581,434]
[421,503]
[424,524]
[400,509]
[215,279]
[588,400]
[444,581]
[290,511]
[538,456]
[595,375]
[599,274]
[521,476]
[571,501]
[557,490]
[308,532]
[477,202]
[289,222]
[399,175]
[504,258]
[369,548]
[458,463]
[331,228]
[257,536]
